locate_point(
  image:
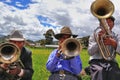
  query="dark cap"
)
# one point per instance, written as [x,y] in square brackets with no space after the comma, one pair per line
[112,18]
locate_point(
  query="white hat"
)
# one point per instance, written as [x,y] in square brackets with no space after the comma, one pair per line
[16,36]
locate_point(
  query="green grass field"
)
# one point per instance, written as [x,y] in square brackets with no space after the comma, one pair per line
[40,56]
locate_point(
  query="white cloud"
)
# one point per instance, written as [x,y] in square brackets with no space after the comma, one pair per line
[74,13]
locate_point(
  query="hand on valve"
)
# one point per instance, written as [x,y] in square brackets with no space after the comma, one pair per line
[107,39]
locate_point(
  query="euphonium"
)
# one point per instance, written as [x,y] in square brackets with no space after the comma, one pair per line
[71,47]
[103,9]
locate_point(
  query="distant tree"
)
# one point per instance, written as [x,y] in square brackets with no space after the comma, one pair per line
[49,36]
[42,42]
[85,41]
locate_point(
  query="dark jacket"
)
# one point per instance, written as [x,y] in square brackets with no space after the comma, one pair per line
[26,60]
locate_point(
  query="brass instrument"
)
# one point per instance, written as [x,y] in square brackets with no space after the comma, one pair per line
[9,53]
[103,9]
[71,47]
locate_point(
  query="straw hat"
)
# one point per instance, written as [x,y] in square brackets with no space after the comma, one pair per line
[64,30]
[16,36]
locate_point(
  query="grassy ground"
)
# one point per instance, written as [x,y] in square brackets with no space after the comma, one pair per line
[40,56]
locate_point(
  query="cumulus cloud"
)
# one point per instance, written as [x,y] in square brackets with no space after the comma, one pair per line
[58,13]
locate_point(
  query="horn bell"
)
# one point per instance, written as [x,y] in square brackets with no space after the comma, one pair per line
[71,47]
[9,52]
[102,8]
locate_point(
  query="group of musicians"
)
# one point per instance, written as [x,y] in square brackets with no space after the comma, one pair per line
[100,68]
[65,64]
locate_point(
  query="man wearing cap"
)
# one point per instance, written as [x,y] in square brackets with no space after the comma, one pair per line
[102,68]
[62,68]
[25,70]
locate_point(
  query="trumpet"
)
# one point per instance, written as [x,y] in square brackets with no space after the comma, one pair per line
[71,47]
[103,9]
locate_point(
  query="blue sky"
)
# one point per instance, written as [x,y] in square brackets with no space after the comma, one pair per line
[34,17]
[20,4]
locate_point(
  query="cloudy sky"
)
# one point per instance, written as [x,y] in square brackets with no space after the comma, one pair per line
[34,17]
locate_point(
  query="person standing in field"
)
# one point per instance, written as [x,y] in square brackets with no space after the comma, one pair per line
[21,69]
[102,68]
[63,68]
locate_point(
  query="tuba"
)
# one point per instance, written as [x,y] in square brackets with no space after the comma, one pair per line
[71,47]
[103,9]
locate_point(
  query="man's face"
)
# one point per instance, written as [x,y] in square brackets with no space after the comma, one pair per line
[110,23]
[20,44]
[64,37]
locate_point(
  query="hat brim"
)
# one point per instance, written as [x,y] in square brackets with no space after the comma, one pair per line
[17,39]
[58,36]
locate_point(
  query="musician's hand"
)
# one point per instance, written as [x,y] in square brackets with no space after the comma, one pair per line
[101,33]
[4,66]
[14,71]
[110,41]
[58,54]
[59,50]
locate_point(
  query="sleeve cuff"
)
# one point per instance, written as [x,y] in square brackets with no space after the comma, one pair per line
[21,73]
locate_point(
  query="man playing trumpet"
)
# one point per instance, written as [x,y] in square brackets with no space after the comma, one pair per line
[61,66]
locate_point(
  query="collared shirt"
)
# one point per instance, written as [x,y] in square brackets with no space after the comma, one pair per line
[54,63]
[94,51]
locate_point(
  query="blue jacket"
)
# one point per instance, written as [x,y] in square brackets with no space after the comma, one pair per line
[54,63]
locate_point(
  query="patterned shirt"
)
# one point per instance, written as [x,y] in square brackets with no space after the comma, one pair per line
[94,51]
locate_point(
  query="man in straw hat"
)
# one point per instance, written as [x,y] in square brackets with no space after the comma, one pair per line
[24,70]
[62,68]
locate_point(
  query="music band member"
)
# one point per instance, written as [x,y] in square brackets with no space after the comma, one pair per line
[63,68]
[101,68]
[24,70]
